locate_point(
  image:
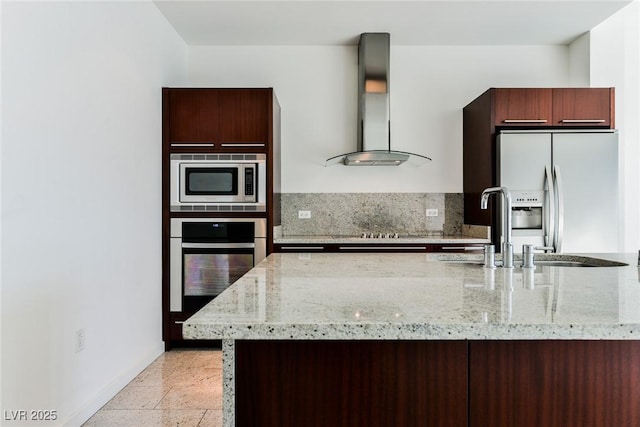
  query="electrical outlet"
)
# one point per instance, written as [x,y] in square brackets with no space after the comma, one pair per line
[304,214]
[80,340]
[432,212]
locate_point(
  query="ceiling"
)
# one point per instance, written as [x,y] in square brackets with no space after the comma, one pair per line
[416,22]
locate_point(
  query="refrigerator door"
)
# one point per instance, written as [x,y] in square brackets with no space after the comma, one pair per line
[522,158]
[522,161]
[588,165]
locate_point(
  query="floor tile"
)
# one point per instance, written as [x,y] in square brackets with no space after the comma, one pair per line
[212,418]
[179,388]
[139,418]
[164,377]
[136,397]
[205,377]
[192,397]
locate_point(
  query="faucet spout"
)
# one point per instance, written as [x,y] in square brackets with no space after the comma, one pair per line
[507,246]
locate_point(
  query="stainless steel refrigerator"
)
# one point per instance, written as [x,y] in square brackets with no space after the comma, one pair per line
[564,188]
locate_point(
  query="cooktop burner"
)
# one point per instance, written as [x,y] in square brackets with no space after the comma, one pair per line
[397,235]
[379,235]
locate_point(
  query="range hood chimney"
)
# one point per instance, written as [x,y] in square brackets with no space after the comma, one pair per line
[374,142]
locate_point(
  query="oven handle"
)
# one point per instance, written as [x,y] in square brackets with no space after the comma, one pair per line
[218,245]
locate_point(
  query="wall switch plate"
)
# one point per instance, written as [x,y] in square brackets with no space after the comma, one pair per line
[304,214]
[80,340]
[432,212]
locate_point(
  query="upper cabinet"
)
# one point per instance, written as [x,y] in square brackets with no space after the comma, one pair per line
[584,107]
[212,119]
[559,107]
[192,116]
[522,107]
[243,116]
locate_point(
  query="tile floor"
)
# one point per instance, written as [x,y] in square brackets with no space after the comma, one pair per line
[180,388]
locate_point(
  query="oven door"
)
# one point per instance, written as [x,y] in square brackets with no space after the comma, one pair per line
[209,268]
[201,271]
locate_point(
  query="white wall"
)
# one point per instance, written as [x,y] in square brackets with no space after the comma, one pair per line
[615,61]
[81,199]
[316,86]
[579,59]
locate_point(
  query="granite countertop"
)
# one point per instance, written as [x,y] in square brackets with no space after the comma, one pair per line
[318,240]
[420,296]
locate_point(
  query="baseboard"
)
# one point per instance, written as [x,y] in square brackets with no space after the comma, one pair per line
[108,392]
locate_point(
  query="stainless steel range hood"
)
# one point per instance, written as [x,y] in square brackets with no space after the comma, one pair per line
[374,142]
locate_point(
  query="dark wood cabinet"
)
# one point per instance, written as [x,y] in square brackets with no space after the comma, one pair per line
[351,383]
[221,121]
[243,118]
[583,107]
[211,119]
[520,108]
[554,383]
[531,383]
[192,116]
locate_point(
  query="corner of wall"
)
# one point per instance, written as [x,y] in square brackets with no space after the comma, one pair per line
[579,61]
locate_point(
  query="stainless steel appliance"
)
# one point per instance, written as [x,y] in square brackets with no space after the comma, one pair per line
[218,182]
[374,136]
[207,255]
[564,188]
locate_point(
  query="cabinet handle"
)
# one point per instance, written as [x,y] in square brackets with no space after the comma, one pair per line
[302,248]
[381,248]
[243,144]
[179,322]
[187,245]
[525,121]
[463,248]
[193,144]
[582,121]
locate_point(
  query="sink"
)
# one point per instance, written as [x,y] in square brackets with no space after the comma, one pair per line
[558,263]
[553,260]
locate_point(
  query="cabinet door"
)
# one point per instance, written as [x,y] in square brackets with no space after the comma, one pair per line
[583,107]
[554,383]
[522,107]
[244,118]
[193,117]
[309,383]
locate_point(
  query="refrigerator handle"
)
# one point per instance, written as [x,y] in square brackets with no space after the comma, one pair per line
[560,216]
[550,212]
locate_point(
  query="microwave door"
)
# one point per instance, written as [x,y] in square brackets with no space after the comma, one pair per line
[202,183]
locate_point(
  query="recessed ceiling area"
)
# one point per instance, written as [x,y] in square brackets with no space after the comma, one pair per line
[418,22]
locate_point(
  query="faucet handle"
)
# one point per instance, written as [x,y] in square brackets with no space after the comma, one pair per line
[490,256]
[527,254]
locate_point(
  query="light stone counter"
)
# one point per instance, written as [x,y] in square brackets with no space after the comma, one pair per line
[416,296]
[413,296]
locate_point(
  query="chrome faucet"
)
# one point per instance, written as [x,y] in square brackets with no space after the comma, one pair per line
[507,246]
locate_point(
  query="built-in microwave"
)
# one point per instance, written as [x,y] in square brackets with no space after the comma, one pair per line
[218,182]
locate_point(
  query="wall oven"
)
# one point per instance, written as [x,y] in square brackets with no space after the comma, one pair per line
[218,182]
[207,255]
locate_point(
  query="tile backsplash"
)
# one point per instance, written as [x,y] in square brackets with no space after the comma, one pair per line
[350,214]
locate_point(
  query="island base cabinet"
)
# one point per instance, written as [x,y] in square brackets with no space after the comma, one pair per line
[554,383]
[351,383]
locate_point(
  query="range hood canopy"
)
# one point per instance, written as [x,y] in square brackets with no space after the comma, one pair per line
[374,141]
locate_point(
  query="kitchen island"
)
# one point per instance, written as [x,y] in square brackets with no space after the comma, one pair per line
[406,339]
